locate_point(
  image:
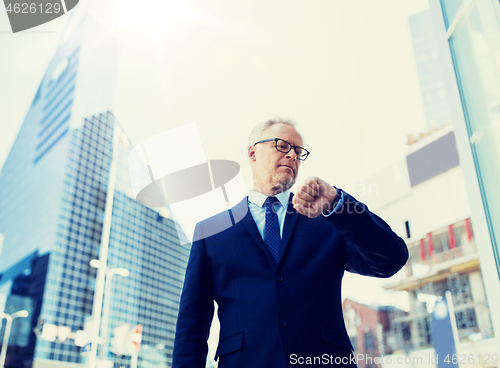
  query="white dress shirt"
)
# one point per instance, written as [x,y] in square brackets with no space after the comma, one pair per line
[256,201]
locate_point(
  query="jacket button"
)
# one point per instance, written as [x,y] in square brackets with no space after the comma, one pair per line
[279,278]
[282,322]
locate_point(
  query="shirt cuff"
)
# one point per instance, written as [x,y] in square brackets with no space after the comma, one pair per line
[340,202]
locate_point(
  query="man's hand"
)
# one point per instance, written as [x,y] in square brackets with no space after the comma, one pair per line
[314,197]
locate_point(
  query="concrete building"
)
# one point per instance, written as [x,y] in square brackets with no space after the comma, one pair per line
[425,200]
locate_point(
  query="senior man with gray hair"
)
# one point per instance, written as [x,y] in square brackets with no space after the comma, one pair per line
[276,274]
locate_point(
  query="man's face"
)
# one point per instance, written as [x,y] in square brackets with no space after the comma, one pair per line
[275,171]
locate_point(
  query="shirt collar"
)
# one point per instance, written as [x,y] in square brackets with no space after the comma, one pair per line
[259,198]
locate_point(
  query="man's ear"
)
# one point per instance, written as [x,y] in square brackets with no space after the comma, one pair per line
[251,153]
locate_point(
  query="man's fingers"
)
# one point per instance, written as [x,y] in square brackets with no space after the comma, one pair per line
[311,197]
[301,202]
[309,190]
[305,196]
[328,191]
[302,209]
[310,209]
[311,186]
[313,182]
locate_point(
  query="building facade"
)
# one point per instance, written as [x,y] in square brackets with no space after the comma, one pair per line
[424,197]
[430,70]
[52,198]
[469,43]
[368,328]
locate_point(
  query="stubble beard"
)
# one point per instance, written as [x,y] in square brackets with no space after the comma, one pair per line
[281,184]
[277,183]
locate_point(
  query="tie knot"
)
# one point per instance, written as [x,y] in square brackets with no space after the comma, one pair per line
[270,201]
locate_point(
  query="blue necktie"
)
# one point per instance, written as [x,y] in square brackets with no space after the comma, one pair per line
[272,229]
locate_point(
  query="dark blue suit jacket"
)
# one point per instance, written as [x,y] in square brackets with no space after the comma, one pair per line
[270,315]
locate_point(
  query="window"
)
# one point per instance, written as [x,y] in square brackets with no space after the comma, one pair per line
[477,71]
[406,331]
[369,345]
[441,242]
[460,235]
[466,318]
[460,289]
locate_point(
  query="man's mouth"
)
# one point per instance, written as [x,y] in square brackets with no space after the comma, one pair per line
[291,168]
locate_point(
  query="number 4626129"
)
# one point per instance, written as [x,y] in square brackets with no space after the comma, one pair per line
[25,8]
[471,359]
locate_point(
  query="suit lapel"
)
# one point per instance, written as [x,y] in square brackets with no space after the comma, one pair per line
[241,213]
[291,218]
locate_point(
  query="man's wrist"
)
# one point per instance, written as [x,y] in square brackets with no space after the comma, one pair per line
[335,204]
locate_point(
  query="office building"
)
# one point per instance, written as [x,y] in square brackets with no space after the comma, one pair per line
[430,70]
[424,198]
[468,34]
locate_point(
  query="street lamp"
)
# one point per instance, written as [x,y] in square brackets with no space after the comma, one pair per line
[9,317]
[107,296]
[119,140]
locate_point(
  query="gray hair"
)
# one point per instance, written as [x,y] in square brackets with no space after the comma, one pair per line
[257,132]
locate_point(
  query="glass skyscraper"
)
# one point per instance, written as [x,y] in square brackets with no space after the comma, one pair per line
[430,70]
[52,197]
[475,48]
[469,33]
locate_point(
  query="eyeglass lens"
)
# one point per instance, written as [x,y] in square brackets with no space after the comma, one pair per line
[284,146]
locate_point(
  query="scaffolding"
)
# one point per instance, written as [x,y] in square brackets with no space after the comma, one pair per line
[413,330]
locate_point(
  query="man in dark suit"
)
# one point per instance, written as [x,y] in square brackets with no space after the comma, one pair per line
[276,274]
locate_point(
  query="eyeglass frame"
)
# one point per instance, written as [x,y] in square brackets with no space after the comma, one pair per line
[291,146]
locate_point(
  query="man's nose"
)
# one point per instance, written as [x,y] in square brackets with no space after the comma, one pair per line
[292,154]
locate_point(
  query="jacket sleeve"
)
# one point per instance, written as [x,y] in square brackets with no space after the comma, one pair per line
[196,309]
[371,247]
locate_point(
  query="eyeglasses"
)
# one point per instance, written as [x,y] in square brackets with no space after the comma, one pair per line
[285,147]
